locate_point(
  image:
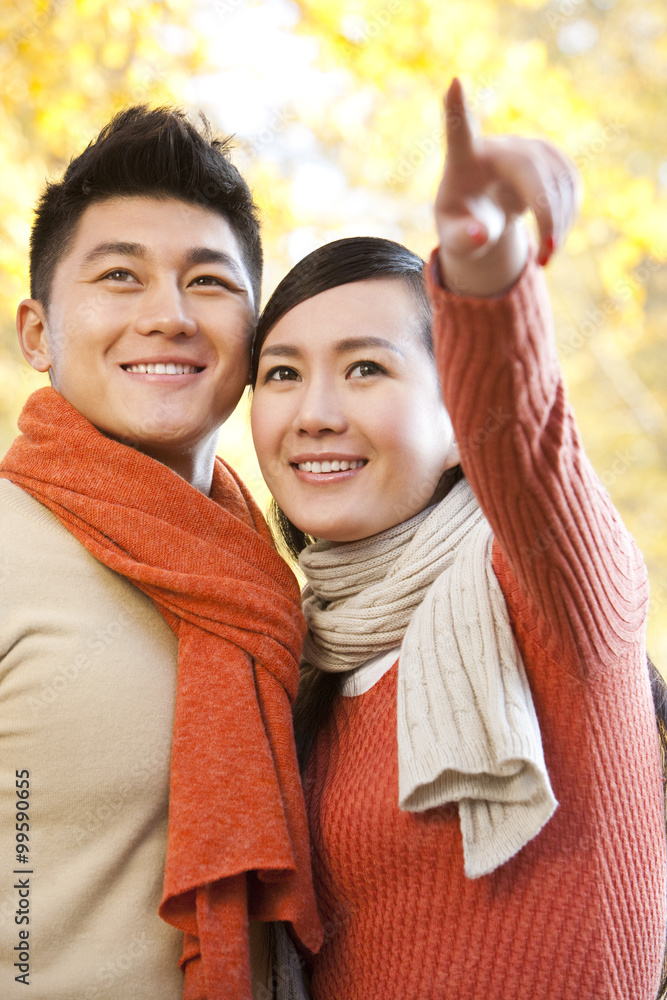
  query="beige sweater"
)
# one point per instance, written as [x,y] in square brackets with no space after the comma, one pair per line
[87,687]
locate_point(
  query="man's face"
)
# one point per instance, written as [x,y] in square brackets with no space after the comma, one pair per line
[148,330]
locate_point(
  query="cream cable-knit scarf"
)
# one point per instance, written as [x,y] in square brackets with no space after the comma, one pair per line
[467,729]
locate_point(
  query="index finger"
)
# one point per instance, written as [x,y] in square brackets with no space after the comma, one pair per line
[458,125]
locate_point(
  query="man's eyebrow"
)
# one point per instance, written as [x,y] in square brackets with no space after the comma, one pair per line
[197,255]
[341,347]
[115,249]
[207,255]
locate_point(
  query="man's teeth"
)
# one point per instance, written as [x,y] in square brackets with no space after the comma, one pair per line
[170,368]
[334,466]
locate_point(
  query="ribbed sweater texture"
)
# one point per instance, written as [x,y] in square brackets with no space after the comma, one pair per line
[580,911]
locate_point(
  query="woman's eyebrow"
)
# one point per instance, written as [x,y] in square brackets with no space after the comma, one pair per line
[359,343]
[340,347]
[281,350]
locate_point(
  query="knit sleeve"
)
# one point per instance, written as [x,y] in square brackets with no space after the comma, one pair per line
[557,529]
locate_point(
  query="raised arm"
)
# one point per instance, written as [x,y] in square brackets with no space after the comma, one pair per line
[556,527]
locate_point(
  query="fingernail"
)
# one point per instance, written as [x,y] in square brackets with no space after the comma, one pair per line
[477,233]
[545,254]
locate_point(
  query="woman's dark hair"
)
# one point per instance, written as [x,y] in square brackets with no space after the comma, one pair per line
[358,258]
[150,152]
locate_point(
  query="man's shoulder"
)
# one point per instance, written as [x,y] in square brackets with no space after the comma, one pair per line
[35,548]
[21,512]
[47,573]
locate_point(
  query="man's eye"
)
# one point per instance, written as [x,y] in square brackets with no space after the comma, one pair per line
[282,373]
[363,369]
[215,281]
[208,279]
[118,274]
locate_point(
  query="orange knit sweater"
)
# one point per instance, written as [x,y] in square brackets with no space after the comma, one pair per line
[579,913]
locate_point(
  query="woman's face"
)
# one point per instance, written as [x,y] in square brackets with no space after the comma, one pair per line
[350,429]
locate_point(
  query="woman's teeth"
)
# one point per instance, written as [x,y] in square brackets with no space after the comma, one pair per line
[334,466]
[169,368]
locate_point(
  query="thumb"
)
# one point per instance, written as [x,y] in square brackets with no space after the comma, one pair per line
[475,224]
[462,235]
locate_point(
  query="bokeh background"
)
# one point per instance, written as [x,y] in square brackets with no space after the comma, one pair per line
[335,105]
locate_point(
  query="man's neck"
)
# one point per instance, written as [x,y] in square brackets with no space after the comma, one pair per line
[194,465]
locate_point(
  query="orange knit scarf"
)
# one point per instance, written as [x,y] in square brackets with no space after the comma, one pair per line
[237,841]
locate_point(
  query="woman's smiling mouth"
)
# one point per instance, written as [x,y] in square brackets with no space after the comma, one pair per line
[327,470]
[336,465]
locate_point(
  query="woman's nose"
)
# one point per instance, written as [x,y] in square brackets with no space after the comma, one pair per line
[320,410]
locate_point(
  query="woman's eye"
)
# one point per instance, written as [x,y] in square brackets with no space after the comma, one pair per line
[363,369]
[282,373]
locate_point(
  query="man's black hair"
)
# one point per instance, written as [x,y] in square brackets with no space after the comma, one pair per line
[149,152]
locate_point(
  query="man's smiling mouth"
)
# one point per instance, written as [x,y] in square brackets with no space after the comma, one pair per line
[159,368]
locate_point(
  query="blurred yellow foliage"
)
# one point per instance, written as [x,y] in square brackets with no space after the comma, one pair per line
[591,77]
[65,67]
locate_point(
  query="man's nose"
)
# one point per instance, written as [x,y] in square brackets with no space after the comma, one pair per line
[164,310]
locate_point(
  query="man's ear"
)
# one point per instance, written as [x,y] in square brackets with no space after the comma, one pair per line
[31,326]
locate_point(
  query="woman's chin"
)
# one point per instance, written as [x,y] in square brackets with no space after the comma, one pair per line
[325,531]
[341,533]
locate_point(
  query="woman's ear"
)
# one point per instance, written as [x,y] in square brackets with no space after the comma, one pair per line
[32,330]
[453,457]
